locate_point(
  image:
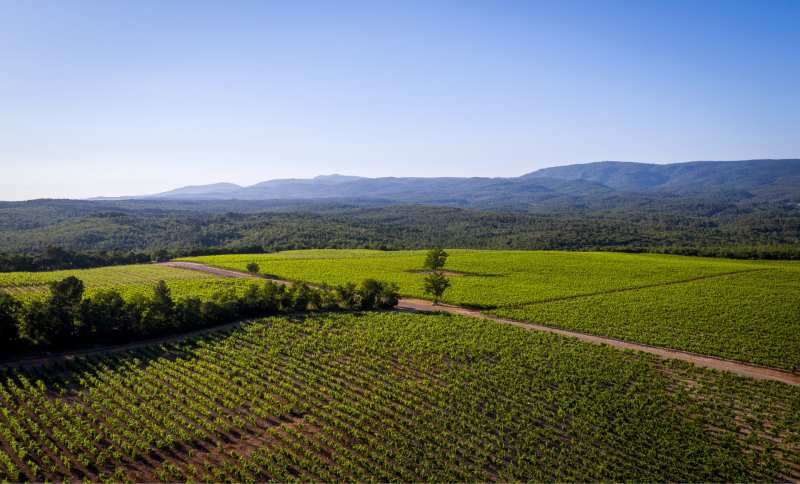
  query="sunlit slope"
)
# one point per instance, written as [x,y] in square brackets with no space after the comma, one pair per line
[752,316]
[102,277]
[129,280]
[744,310]
[490,278]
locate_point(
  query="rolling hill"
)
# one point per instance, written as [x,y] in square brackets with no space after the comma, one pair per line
[606,184]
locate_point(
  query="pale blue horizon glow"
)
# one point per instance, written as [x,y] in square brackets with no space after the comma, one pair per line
[103,98]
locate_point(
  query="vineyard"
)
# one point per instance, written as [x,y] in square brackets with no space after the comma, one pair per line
[144,275]
[753,316]
[488,278]
[391,397]
[741,310]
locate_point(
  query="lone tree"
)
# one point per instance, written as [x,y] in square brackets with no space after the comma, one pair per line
[435,282]
[253,268]
[435,285]
[435,259]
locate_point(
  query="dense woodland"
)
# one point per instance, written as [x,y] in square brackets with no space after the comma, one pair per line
[49,234]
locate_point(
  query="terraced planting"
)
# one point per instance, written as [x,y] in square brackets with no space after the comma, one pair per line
[740,310]
[391,397]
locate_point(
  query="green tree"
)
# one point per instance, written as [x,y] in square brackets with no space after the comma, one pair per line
[389,295]
[272,296]
[9,320]
[188,312]
[38,326]
[373,294]
[252,302]
[299,296]
[63,308]
[253,268]
[368,293]
[436,284]
[67,293]
[346,295]
[435,259]
[160,313]
[105,315]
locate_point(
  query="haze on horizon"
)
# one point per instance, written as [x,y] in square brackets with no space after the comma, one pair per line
[112,98]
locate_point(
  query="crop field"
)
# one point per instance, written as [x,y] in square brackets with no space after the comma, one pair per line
[490,278]
[98,278]
[753,316]
[391,397]
[129,281]
[742,310]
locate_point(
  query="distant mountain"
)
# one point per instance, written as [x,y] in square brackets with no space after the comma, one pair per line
[511,193]
[769,179]
[606,184]
[202,191]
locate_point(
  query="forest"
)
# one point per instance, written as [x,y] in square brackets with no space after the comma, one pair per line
[59,234]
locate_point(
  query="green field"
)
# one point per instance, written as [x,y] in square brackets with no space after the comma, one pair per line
[130,281]
[98,278]
[752,316]
[492,278]
[742,310]
[391,397]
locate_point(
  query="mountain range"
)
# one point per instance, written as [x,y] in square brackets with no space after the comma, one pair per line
[594,185]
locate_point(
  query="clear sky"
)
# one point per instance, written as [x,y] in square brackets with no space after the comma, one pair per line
[132,97]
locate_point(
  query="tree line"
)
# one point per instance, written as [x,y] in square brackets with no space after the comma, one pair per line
[55,258]
[68,318]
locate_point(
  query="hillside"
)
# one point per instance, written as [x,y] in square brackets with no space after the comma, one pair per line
[180,227]
[592,186]
[762,179]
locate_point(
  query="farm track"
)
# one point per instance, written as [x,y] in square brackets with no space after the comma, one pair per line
[712,362]
[422,305]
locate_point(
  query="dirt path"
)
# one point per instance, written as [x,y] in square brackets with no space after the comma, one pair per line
[421,305]
[194,266]
[744,369]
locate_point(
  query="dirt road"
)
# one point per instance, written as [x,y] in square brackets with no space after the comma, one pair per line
[744,369]
[194,266]
[421,305]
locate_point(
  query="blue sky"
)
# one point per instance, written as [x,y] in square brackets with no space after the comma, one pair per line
[113,97]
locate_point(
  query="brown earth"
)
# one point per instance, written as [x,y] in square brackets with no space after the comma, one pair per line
[194,266]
